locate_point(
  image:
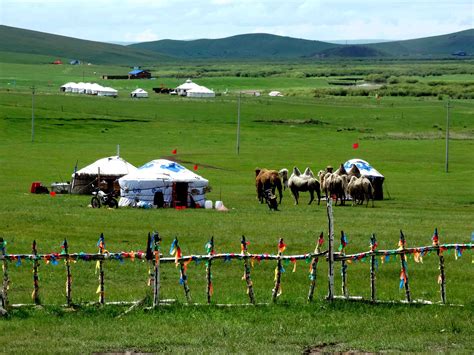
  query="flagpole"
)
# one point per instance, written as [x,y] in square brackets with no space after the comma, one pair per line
[238,123]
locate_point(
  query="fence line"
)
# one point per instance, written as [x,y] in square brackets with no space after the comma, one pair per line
[153,256]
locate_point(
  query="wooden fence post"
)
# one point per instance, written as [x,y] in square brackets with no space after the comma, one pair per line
[6,280]
[314,266]
[100,266]
[156,277]
[243,247]
[403,273]
[330,295]
[373,247]
[210,252]
[68,274]
[35,294]
[342,251]
[441,277]
[277,289]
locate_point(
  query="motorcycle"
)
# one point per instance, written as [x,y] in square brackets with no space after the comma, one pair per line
[103,198]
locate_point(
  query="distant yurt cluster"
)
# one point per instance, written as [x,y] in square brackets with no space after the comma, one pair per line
[88,89]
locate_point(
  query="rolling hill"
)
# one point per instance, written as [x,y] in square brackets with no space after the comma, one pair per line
[443,45]
[266,46]
[250,46]
[48,47]
[20,45]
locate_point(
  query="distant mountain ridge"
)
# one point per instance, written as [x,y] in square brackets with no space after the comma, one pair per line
[267,46]
[259,46]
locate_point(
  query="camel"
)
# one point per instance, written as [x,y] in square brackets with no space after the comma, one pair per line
[267,179]
[361,189]
[332,184]
[304,182]
[284,176]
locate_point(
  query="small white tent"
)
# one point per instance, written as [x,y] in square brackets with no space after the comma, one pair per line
[67,87]
[275,93]
[110,169]
[138,93]
[163,182]
[106,91]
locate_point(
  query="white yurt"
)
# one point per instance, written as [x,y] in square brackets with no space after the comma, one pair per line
[197,91]
[201,91]
[107,169]
[371,173]
[139,93]
[275,93]
[163,183]
[107,91]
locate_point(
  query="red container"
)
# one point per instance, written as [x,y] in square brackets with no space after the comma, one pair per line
[34,186]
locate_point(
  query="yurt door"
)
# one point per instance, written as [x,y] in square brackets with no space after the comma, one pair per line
[180,194]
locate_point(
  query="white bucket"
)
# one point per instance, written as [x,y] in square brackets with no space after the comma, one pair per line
[208,204]
[218,205]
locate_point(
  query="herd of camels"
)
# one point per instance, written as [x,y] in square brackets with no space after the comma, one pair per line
[340,184]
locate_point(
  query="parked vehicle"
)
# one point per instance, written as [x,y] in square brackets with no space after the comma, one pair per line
[103,198]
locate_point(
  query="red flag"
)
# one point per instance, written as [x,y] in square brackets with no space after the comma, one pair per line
[355,145]
[195,166]
[174,151]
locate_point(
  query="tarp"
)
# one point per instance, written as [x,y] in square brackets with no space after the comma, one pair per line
[110,166]
[365,168]
[166,178]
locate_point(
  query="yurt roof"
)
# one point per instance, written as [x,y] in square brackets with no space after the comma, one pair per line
[365,168]
[163,169]
[109,166]
[201,89]
[188,85]
[139,91]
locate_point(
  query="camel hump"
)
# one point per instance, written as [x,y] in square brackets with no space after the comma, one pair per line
[296,171]
[308,172]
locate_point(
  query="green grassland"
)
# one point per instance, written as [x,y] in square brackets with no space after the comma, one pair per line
[401,137]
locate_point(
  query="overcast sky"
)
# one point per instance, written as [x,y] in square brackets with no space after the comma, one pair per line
[149,20]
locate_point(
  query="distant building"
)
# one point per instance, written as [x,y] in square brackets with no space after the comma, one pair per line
[75,62]
[57,61]
[460,53]
[139,74]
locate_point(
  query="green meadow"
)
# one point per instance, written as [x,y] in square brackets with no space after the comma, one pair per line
[402,137]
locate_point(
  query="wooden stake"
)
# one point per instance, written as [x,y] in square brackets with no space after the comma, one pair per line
[373,247]
[247,270]
[183,277]
[277,289]
[6,281]
[343,268]
[210,252]
[68,273]
[156,277]
[442,277]
[35,295]
[314,265]
[403,260]
[101,270]
[330,295]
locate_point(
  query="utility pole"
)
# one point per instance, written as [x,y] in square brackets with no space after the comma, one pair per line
[447,136]
[238,123]
[33,113]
